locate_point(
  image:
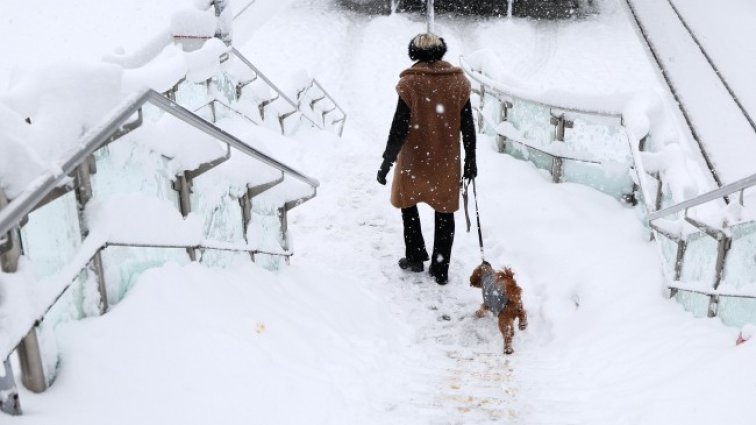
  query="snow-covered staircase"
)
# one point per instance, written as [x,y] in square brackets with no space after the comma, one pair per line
[178,176]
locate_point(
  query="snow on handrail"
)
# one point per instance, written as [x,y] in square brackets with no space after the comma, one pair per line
[611,110]
[721,192]
[302,94]
[270,84]
[639,167]
[20,206]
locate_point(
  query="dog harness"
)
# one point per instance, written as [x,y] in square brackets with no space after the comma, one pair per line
[494,296]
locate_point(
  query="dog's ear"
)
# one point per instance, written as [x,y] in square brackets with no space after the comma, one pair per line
[509,273]
[475,277]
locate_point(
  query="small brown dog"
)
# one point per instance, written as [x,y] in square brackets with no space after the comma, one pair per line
[502,297]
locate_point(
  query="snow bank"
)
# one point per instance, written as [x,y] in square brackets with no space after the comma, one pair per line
[274,342]
[140,219]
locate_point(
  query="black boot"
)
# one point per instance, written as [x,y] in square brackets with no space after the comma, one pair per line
[413,266]
[414,253]
[442,247]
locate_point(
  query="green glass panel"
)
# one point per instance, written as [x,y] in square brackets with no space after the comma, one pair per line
[222,217]
[700,259]
[126,167]
[737,311]
[668,249]
[532,120]
[123,266]
[615,182]
[192,96]
[740,268]
[52,236]
[265,234]
[697,304]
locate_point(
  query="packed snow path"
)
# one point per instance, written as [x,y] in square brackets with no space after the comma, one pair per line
[344,336]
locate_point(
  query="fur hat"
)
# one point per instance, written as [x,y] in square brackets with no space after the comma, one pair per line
[427,48]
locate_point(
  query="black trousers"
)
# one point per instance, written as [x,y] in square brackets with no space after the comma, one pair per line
[443,238]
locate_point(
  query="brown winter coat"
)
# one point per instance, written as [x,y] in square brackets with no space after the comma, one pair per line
[428,166]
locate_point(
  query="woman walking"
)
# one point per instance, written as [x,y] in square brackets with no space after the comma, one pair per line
[424,141]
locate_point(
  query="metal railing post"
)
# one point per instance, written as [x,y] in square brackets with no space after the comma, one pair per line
[9,402]
[724,243]
[501,141]
[30,359]
[246,205]
[84,193]
[183,185]
[557,167]
[682,246]
[482,101]
[723,248]
[283,219]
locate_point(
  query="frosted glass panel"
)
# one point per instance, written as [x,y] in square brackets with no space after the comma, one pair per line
[532,120]
[700,259]
[225,85]
[192,95]
[737,311]
[123,265]
[669,253]
[222,217]
[601,141]
[740,269]
[539,159]
[615,182]
[52,237]
[265,232]
[126,167]
[697,304]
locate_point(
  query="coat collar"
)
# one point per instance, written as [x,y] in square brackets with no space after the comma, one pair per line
[436,67]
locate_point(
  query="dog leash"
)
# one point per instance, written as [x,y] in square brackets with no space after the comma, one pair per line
[465,185]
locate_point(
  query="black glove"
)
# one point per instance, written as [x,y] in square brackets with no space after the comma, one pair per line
[383,172]
[471,169]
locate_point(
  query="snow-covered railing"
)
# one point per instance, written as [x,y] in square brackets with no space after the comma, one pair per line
[251,76]
[322,105]
[707,257]
[71,225]
[537,131]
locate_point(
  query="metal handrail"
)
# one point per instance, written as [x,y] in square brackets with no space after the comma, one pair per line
[713,292]
[270,84]
[315,83]
[207,245]
[20,206]
[542,149]
[721,192]
[482,79]
[230,108]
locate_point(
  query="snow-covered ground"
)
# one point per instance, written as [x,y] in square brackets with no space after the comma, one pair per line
[344,336]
